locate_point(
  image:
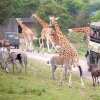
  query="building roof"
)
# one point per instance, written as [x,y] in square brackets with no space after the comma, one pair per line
[25,19]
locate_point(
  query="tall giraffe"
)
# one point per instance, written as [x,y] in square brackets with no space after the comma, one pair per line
[85,30]
[53,20]
[67,56]
[46,30]
[28,35]
[58,37]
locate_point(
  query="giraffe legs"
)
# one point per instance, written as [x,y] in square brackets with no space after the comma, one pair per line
[65,71]
[48,45]
[53,71]
[42,43]
[82,83]
[70,78]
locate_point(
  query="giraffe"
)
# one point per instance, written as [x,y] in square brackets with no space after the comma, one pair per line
[53,20]
[85,30]
[57,37]
[27,34]
[81,29]
[46,30]
[67,56]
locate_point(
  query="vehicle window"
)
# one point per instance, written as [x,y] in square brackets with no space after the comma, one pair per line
[10,35]
[16,37]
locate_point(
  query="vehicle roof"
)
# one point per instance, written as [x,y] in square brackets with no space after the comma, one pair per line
[95,25]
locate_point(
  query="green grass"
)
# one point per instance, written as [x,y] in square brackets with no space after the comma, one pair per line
[37,85]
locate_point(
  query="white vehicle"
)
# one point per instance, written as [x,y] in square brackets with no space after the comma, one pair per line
[94,44]
[13,38]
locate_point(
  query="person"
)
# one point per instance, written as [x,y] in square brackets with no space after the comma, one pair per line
[95,34]
[0,43]
[7,44]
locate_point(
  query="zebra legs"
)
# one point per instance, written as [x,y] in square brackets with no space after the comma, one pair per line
[53,71]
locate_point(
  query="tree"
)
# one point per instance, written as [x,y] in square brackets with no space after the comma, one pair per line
[73,6]
[49,8]
[5,9]
[71,12]
[96,17]
[24,8]
[94,6]
[82,19]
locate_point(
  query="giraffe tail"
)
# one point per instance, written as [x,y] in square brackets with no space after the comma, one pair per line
[48,62]
[81,72]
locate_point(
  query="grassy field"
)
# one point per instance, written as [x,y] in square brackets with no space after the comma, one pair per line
[37,85]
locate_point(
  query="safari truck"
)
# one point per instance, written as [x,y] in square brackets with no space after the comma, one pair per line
[13,38]
[93,53]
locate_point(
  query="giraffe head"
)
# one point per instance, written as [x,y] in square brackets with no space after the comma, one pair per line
[53,20]
[19,21]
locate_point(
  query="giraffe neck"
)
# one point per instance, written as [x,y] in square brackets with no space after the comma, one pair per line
[60,34]
[57,28]
[41,21]
[25,28]
[20,23]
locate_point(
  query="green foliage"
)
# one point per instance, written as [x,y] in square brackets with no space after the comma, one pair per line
[72,7]
[51,8]
[36,43]
[94,6]
[72,13]
[64,21]
[69,11]
[79,10]
[5,9]
[96,17]
[24,8]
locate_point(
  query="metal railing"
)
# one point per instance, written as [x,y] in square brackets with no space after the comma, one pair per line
[97,40]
